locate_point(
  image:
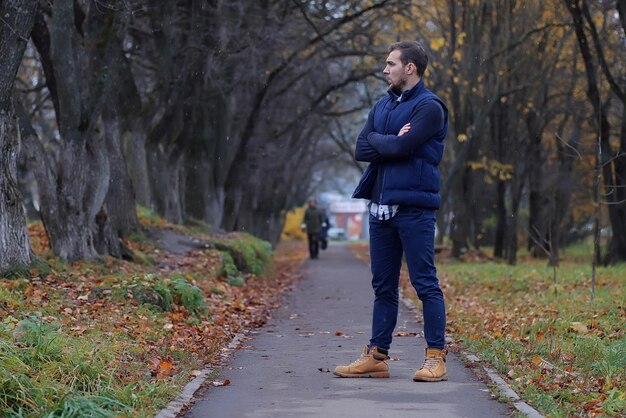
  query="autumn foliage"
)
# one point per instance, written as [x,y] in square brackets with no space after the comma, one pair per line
[562,352]
[126,336]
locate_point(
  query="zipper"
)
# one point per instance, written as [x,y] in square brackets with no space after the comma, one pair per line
[382,187]
[393,107]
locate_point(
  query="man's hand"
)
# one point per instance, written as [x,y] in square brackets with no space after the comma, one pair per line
[406,128]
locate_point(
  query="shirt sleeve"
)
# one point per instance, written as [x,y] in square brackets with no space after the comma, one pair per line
[364,150]
[426,120]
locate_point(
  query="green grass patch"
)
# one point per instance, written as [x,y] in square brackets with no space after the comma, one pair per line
[249,254]
[561,349]
[45,372]
[165,293]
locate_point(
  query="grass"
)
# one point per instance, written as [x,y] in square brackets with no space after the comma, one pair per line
[564,352]
[45,372]
[561,350]
[121,339]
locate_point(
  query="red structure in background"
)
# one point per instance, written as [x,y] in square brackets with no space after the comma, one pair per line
[348,215]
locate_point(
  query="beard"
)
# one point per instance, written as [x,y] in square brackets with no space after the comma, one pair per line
[398,87]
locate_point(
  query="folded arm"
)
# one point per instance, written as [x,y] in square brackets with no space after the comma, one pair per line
[425,121]
[364,150]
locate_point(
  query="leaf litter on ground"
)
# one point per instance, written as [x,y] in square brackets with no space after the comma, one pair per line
[149,346]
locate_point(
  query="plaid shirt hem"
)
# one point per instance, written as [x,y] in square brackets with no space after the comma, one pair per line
[383,212]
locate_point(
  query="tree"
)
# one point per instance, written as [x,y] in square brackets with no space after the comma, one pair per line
[18,18]
[77,44]
[611,160]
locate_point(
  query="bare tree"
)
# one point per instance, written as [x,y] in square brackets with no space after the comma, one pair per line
[17,20]
[613,162]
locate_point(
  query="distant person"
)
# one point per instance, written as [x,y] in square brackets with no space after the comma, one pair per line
[313,222]
[403,142]
[324,230]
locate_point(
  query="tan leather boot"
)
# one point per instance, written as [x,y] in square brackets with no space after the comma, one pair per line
[434,367]
[370,364]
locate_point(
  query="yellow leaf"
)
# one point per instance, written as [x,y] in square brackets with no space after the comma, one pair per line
[437,43]
[461,38]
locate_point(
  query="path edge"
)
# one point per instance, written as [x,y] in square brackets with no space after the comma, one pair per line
[176,406]
[503,389]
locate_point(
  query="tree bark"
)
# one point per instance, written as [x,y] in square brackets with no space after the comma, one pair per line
[165,177]
[498,247]
[18,18]
[15,249]
[616,251]
[136,156]
[118,217]
[76,45]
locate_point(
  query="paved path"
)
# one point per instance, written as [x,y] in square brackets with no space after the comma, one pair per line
[287,369]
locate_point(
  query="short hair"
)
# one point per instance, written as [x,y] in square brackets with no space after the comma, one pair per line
[414,52]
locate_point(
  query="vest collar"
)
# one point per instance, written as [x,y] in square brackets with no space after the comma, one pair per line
[407,94]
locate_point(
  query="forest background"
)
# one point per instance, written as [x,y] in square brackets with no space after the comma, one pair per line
[121,120]
[231,113]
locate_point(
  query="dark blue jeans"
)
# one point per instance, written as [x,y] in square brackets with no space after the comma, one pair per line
[412,232]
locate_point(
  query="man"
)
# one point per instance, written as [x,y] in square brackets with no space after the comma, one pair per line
[403,142]
[313,222]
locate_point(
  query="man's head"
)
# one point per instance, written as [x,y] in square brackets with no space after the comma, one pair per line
[312,203]
[406,64]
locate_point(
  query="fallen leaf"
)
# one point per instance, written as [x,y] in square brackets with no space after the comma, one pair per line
[579,327]
[221,382]
[166,368]
[405,334]
[339,334]
[196,373]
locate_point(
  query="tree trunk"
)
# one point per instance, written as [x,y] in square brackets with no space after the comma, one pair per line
[538,203]
[498,248]
[17,20]
[616,251]
[136,155]
[83,179]
[511,232]
[460,232]
[197,194]
[165,179]
[117,218]
[612,184]
[15,249]
[517,188]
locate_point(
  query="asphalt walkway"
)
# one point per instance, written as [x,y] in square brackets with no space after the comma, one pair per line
[286,370]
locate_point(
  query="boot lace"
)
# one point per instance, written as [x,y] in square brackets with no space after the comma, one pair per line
[431,363]
[360,360]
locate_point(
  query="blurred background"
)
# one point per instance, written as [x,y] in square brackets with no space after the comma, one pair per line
[231,114]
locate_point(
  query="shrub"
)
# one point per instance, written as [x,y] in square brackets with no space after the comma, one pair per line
[165,293]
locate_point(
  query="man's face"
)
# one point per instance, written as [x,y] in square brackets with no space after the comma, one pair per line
[395,72]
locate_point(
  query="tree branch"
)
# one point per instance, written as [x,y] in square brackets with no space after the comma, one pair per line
[603,64]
